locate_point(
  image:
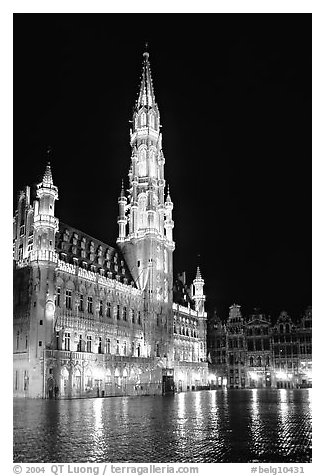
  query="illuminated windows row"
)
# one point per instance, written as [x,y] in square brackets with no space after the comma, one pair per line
[86,304]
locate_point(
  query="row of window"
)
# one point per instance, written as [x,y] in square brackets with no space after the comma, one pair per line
[107,309]
[251,342]
[109,268]
[102,347]
[185,331]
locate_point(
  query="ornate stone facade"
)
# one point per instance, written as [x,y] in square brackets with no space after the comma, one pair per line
[253,353]
[94,320]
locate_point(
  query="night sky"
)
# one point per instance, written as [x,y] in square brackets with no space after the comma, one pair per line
[234,93]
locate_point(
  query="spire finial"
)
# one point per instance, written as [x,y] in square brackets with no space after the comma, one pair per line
[146,50]
[122,189]
[168,198]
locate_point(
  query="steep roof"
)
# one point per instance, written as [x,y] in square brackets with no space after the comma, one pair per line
[74,245]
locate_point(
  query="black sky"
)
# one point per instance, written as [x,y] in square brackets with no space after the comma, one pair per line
[234,92]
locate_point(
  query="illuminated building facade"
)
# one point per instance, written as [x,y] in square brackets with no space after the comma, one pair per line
[253,353]
[91,319]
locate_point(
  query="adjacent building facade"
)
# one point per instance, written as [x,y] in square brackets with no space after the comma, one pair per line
[254,353]
[95,320]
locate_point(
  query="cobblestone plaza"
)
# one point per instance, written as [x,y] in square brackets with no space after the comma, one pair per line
[252,425]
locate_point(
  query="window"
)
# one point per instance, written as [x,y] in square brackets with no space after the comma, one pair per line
[124,313]
[118,311]
[26,341]
[107,346]
[30,245]
[99,345]
[157,350]
[79,345]
[57,340]
[139,317]
[41,322]
[26,380]
[132,349]
[143,119]
[68,299]
[251,362]
[132,316]
[90,304]
[88,343]
[109,310]
[139,350]
[58,297]
[100,308]
[67,341]
[117,347]
[124,348]
[39,343]
[16,380]
[81,303]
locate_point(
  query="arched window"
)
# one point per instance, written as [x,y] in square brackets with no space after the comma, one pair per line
[251,362]
[107,346]
[143,119]
[142,210]
[259,361]
[152,163]
[287,328]
[142,162]
[152,121]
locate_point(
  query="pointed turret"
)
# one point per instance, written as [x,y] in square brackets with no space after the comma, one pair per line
[122,220]
[198,274]
[45,223]
[47,177]
[198,296]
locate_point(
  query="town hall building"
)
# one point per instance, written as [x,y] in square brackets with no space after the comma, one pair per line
[92,319]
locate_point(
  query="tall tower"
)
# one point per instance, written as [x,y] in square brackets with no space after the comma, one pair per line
[43,260]
[145,214]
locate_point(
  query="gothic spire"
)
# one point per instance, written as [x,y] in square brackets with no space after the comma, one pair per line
[146,94]
[198,273]
[47,177]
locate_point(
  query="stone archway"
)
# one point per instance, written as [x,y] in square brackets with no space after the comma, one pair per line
[77,385]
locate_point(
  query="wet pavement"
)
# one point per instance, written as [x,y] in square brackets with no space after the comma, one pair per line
[266,425]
